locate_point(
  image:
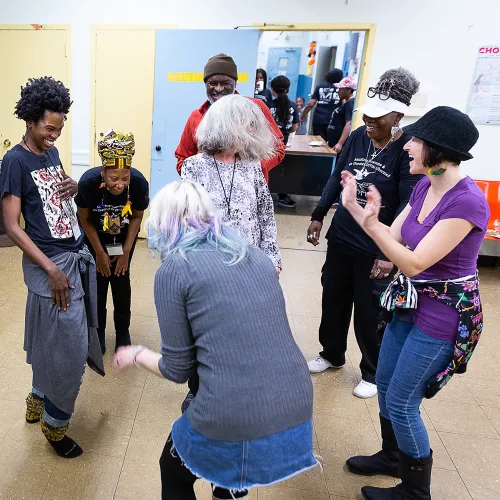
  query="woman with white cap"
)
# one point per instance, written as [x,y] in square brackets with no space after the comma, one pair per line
[374,155]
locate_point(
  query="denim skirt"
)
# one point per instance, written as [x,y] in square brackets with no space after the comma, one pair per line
[239,465]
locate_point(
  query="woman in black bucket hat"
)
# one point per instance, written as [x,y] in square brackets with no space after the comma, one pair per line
[438,320]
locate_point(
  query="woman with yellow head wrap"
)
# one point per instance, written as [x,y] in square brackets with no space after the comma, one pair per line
[111,202]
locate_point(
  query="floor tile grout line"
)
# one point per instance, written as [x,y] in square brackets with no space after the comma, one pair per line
[455,465]
[131,431]
[489,420]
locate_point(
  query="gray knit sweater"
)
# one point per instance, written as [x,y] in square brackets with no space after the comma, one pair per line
[229,324]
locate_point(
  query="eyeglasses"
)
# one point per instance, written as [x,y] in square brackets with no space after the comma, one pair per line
[374,91]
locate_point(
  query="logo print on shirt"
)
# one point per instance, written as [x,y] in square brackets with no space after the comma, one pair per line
[57,220]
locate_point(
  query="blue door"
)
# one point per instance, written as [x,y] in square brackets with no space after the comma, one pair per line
[285,61]
[179,89]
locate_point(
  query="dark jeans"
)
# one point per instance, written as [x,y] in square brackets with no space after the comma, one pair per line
[321,129]
[122,296]
[346,283]
[55,413]
[177,482]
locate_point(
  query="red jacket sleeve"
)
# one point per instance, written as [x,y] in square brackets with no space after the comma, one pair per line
[187,146]
[280,153]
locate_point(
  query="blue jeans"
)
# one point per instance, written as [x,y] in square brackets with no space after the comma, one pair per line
[408,359]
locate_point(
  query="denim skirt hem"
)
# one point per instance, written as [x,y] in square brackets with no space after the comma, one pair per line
[241,465]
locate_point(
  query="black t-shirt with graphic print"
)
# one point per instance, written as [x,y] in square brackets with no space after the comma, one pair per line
[328,101]
[100,201]
[264,95]
[340,116]
[32,178]
[389,172]
[293,118]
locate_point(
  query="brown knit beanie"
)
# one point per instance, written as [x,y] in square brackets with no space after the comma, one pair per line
[221,64]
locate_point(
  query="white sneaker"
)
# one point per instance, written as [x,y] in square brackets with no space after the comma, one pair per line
[365,390]
[320,364]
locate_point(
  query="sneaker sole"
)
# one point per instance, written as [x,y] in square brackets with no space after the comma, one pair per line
[327,368]
[364,397]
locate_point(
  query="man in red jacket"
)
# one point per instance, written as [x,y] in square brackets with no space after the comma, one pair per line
[220,77]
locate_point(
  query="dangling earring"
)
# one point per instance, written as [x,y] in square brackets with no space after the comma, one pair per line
[103,184]
[394,131]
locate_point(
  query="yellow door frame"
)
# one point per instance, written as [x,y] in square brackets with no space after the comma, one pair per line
[94,29]
[368,28]
[67,162]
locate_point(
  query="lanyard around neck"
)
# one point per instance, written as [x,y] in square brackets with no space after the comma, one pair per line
[226,197]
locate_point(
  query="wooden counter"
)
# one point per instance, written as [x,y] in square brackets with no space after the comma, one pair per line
[300,146]
[305,170]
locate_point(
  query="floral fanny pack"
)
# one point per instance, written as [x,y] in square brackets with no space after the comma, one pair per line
[461,294]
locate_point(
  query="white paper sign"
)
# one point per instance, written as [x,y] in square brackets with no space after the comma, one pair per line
[484,98]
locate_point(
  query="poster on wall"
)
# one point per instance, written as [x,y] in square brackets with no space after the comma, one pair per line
[484,98]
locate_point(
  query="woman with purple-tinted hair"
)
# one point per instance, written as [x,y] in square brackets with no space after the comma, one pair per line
[250,423]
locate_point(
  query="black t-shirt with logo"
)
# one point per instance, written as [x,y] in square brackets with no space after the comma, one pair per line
[264,95]
[32,178]
[100,201]
[328,101]
[340,116]
[389,172]
[293,118]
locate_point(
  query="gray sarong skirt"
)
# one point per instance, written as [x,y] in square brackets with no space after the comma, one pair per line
[59,343]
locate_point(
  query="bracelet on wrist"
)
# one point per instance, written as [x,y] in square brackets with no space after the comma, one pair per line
[135,351]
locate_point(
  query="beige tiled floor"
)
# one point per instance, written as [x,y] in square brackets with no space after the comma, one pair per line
[122,421]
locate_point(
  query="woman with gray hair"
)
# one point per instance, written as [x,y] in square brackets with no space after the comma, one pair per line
[246,427]
[354,264]
[233,137]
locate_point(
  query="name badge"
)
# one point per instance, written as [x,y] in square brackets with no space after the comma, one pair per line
[114,250]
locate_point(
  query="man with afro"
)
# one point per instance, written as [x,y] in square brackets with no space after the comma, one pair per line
[59,272]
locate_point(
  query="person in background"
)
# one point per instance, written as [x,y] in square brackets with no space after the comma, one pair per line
[233,138]
[374,154]
[435,242]
[261,90]
[302,129]
[220,77]
[250,423]
[300,101]
[286,115]
[59,272]
[111,201]
[326,100]
[339,127]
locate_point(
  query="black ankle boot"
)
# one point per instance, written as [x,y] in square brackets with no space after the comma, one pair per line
[385,462]
[415,481]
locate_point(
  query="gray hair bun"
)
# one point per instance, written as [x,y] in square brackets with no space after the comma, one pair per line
[400,84]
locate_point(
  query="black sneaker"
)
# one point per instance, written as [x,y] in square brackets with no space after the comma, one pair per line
[221,494]
[286,201]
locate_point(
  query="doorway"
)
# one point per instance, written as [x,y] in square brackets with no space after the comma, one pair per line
[37,41]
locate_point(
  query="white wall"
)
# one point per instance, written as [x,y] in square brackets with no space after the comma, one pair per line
[436,39]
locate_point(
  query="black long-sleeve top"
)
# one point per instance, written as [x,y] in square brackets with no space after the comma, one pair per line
[388,171]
